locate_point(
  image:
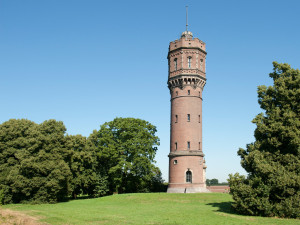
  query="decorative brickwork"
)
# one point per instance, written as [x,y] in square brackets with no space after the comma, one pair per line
[187,78]
[182,81]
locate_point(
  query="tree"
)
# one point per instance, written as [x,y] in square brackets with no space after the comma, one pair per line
[126,148]
[272,187]
[157,183]
[82,160]
[208,182]
[39,163]
[214,181]
[32,166]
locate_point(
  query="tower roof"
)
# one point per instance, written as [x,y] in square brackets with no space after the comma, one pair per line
[187,34]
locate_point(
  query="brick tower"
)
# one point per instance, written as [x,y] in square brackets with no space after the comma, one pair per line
[186,81]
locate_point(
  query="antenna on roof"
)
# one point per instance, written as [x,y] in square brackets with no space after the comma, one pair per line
[186,18]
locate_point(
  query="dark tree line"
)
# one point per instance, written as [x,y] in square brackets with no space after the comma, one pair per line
[272,187]
[214,182]
[41,163]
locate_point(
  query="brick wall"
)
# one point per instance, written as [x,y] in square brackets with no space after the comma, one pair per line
[219,189]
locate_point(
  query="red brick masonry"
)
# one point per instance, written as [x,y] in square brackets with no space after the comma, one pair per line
[219,189]
[186,80]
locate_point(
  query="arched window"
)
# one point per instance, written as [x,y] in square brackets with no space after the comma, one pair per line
[188,176]
[189,62]
[175,64]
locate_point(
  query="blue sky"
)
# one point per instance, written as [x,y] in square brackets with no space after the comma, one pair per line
[87,62]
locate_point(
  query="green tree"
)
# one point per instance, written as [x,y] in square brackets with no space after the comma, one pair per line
[272,187]
[157,183]
[208,182]
[32,165]
[214,181]
[82,160]
[126,148]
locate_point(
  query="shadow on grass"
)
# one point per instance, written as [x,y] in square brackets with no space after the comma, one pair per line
[224,207]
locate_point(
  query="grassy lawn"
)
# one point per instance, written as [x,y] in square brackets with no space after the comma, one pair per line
[154,208]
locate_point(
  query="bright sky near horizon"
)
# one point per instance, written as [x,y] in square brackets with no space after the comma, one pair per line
[87,62]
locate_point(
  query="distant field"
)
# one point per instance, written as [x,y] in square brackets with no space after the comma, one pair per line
[153,208]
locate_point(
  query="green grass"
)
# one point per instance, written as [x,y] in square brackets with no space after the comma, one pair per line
[154,208]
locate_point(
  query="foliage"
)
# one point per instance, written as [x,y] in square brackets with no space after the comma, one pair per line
[126,148]
[1,196]
[83,164]
[157,182]
[272,187]
[146,208]
[40,163]
[32,167]
[213,181]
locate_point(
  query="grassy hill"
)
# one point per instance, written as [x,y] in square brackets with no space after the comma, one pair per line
[153,208]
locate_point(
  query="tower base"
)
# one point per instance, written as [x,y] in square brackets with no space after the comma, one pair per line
[187,188]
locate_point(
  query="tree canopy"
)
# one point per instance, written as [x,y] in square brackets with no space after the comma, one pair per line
[272,187]
[32,166]
[213,181]
[40,163]
[126,148]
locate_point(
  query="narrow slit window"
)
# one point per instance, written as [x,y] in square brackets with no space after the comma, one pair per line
[201,64]
[175,145]
[189,62]
[199,145]
[175,64]
[188,117]
[176,118]
[199,119]
[189,92]
[188,145]
[199,94]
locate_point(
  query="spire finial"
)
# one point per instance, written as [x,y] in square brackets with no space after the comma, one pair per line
[187,34]
[186,18]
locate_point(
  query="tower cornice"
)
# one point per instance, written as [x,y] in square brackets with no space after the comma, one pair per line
[172,99]
[187,75]
[186,153]
[181,81]
[187,72]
